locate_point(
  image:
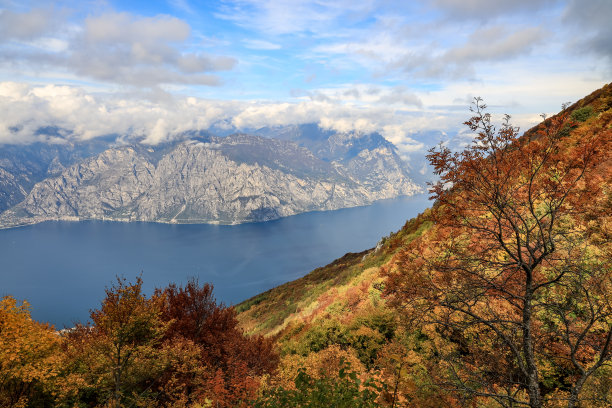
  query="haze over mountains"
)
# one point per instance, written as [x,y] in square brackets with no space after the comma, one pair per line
[200,177]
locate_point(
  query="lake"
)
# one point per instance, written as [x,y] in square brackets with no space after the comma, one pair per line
[62,268]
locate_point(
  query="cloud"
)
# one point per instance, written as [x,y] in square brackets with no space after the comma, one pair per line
[494,44]
[488,44]
[431,49]
[142,52]
[84,115]
[261,45]
[400,95]
[182,5]
[279,17]
[593,18]
[118,48]
[363,95]
[25,26]
[487,9]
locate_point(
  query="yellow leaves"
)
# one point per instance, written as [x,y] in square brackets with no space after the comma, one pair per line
[325,363]
[27,352]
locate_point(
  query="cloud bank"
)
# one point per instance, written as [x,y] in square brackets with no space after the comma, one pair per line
[82,115]
[114,48]
[405,69]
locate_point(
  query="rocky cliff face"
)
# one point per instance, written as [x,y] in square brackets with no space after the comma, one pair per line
[22,166]
[234,179]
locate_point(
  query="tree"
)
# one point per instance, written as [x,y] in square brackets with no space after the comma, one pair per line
[510,272]
[233,362]
[115,360]
[344,390]
[28,356]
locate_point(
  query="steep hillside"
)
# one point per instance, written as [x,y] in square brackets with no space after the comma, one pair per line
[392,312]
[266,314]
[327,290]
[22,166]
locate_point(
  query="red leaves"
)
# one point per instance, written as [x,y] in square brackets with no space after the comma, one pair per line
[234,363]
[175,348]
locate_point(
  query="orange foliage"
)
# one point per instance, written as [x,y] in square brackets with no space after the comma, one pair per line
[509,275]
[28,360]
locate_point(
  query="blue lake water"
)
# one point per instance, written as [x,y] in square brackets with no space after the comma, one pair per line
[62,268]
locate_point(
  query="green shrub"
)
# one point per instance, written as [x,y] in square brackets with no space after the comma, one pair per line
[582,114]
[323,336]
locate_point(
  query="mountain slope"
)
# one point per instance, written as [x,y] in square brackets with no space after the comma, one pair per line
[23,166]
[238,178]
[259,316]
[411,345]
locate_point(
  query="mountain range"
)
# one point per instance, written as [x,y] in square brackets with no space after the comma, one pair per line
[199,177]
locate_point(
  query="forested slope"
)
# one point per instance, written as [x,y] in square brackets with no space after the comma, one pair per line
[500,295]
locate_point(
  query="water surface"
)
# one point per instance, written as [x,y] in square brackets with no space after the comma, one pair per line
[62,268]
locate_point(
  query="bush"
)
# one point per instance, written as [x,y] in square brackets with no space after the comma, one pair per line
[582,114]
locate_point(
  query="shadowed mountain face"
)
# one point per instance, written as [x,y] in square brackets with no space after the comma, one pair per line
[201,178]
[22,166]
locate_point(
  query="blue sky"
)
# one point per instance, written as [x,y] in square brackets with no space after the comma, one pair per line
[403,68]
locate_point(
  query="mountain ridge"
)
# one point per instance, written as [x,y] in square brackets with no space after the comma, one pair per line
[204,178]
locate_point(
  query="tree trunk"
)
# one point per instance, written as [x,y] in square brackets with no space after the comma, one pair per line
[533,386]
[117,392]
[574,402]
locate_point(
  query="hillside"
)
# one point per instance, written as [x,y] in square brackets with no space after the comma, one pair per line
[328,289]
[266,314]
[388,310]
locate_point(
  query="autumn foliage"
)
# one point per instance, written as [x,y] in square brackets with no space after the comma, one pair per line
[28,356]
[512,283]
[233,364]
[175,348]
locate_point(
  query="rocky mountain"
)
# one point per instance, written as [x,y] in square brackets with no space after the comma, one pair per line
[326,143]
[201,179]
[22,166]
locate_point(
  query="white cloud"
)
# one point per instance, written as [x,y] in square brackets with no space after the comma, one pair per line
[261,45]
[278,17]
[85,115]
[116,48]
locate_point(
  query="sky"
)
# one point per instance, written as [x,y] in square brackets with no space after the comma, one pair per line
[407,69]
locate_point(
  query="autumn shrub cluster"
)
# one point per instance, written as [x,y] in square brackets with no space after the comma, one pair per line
[177,348]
